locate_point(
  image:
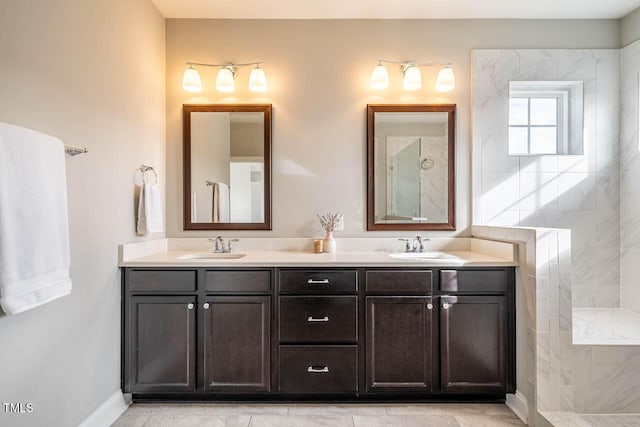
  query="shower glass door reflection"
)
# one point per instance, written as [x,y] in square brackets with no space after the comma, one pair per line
[404,177]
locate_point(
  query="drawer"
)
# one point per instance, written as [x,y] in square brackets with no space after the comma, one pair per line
[318,369]
[474,280]
[328,319]
[237,281]
[162,280]
[399,282]
[318,281]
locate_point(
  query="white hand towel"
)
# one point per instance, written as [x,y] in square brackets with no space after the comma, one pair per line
[34,224]
[220,202]
[149,209]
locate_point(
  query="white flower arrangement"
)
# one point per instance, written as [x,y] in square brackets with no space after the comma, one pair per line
[330,221]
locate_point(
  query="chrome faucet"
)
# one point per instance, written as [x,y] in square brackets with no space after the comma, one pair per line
[416,245]
[219,246]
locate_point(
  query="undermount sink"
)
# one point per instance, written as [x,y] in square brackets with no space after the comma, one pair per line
[422,255]
[213,255]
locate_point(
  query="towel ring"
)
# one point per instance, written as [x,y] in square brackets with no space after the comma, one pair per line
[145,168]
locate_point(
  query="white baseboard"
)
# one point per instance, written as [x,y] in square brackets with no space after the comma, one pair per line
[108,411]
[518,404]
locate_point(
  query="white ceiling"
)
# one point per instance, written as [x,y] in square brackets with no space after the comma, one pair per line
[396,9]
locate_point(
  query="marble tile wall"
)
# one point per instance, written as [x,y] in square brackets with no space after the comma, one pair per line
[580,193]
[545,360]
[606,379]
[555,376]
[630,178]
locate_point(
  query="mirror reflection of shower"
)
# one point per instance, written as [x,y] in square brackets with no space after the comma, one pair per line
[416,178]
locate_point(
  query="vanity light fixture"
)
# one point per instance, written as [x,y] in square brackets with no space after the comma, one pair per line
[380,77]
[225,80]
[412,78]
[257,80]
[191,80]
[445,81]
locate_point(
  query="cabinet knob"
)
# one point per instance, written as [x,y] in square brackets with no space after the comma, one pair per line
[190,306]
[322,370]
[446,305]
[429,306]
[206,305]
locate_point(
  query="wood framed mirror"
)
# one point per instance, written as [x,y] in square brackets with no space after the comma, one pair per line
[227,166]
[411,167]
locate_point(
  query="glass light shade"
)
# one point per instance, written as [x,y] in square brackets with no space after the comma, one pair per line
[412,78]
[191,80]
[445,81]
[224,80]
[257,80]
[379,78]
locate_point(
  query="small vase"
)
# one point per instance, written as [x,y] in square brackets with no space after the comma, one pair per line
[329,243]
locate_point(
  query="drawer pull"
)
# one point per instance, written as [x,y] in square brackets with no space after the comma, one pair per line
[317,319]
[313,370]
[318,282]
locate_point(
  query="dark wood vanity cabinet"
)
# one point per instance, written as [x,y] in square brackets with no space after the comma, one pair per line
[440,331]
[318,331]
[399,344]
[477,331]
[236,344]
[161,343]
[351,333]
[473,340]
[196,331]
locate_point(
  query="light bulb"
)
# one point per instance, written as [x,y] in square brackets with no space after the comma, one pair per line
[412,78]
[257,80]
[191,80]
[224,80]
[379,77]
[445,81]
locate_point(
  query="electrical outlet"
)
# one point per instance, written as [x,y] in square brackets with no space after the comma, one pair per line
[340,224]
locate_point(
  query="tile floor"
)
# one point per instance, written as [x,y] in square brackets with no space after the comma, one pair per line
[308,415]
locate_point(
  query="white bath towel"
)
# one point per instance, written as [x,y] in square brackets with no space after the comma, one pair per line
[149,209]
[34,224]
[220,202]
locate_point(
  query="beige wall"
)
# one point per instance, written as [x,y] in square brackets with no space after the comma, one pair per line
[630,28]
[247,139]
[210,151]
[92,74]
[318,74]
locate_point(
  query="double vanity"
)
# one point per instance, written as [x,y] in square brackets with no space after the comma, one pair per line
[279,322]
[292,325]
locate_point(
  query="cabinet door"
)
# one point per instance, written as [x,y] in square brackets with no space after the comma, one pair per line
[473,339]
[161,344]
[236,344]
[399,344]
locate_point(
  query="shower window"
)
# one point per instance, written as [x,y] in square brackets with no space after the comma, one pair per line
[545,118]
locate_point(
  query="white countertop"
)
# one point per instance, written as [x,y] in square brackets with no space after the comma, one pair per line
[309,259]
